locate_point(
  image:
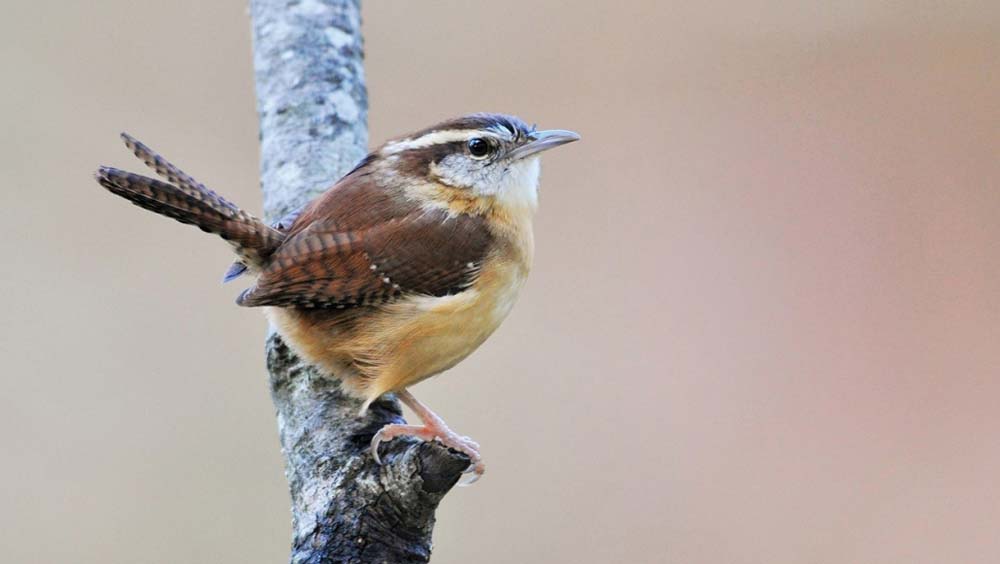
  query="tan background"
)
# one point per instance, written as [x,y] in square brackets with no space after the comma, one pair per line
[763,327]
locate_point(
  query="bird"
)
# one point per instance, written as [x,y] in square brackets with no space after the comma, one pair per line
[397,272]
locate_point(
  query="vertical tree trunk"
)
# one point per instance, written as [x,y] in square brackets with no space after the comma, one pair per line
[312,105]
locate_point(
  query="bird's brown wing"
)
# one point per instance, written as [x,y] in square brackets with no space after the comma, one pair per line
[355,203]
[323,265]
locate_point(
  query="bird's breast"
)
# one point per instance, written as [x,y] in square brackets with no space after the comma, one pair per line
[424,335]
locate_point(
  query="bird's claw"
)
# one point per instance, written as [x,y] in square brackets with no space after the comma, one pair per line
[393,430]
[376,440]
[472,474]
[445,436]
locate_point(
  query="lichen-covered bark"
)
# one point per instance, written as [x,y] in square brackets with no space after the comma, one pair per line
[312,105]
[311,96]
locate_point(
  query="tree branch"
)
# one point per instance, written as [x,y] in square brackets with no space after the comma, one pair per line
[312,105]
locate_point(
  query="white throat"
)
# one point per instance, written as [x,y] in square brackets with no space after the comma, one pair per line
[519,186]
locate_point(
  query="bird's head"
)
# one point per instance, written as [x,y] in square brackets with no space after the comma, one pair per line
[487,156]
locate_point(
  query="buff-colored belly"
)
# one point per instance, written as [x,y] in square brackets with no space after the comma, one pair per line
[427,335]
[400,344]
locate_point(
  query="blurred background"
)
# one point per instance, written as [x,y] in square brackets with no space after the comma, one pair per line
[763,325]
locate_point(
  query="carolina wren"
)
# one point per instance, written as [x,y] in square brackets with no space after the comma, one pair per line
[396,273]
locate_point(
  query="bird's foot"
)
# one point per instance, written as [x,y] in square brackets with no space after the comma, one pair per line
[433,429]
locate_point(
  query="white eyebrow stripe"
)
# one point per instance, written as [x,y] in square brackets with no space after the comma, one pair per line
[445,136]
[429,139]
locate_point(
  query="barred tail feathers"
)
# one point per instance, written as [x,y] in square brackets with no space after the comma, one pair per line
[188,201]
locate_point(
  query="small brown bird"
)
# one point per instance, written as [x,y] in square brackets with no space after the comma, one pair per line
[396,273]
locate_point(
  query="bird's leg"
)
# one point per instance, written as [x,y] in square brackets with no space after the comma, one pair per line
[433,429]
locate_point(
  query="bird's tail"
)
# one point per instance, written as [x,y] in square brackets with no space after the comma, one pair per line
[188,201]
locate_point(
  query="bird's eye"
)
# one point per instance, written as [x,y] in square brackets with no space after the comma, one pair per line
[479,147]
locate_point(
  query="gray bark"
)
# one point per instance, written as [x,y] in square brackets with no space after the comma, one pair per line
[312,105]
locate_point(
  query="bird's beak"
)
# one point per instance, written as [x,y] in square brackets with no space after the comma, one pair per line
[543,141]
